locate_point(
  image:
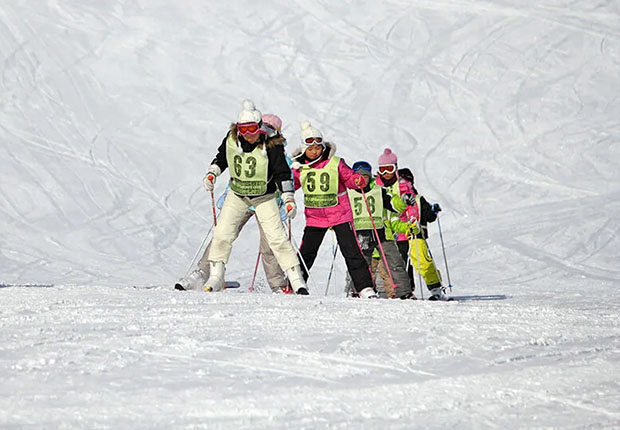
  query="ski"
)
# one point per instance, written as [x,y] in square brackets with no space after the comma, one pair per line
[227,285]
[26,285]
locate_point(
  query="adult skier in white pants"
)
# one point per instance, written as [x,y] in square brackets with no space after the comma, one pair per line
[258,170]
[275,276]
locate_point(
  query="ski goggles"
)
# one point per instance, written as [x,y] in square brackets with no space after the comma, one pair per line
[248,128]
[361,165]
[314,141]
[387,169]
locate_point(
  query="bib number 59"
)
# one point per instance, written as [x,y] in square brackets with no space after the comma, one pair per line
[323,181]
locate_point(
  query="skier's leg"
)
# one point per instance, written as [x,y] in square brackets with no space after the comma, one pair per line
[203,264]
[426,266]
[403,247]
[275,276]
[310,244]
[432,277]
[367,242]
[397,268]
[268,216]
[383,273]
[356,263]
[374,267]
[232,215]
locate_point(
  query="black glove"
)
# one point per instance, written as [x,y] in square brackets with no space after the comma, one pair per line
[408,199]
[436,208]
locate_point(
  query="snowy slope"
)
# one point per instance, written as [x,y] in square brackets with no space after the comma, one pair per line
[507,112]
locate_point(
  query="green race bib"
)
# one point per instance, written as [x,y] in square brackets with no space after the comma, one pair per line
[361,218]
[320,186]
[248,170]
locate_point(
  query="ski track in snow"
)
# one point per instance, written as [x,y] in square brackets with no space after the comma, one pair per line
[507,114]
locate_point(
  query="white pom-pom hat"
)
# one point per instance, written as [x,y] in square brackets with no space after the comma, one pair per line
[249,113]
[308,131]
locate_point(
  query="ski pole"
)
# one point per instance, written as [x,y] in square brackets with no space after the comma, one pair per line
[301,258]
[374,227]
[290,231]
[409,264]
[331,269]
[206,237]
[255,271]
[213,207]
[417,254]
[443,248]
[202,246]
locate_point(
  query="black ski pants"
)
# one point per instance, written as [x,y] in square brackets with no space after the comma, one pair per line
[347,242]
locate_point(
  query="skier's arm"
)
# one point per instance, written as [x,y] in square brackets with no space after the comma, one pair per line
[393,203]
[220,158]
[397,225]
[297,178]
[426,211]
[280,172]
[349,178]
[218,165]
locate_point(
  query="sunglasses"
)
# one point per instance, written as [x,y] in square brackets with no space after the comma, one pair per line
[386,170]
[310,140]
[248,128]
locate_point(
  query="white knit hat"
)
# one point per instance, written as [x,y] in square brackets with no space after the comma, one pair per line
[249,113]
[308,131]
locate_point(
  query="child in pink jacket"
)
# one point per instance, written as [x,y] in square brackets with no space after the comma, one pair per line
[324,179]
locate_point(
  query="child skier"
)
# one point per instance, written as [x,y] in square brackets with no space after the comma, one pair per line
[324,179]
[413,242]
[275,276]
[258,169]
[380,204]
[405,183]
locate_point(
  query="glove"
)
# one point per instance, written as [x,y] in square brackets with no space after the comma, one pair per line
[413,230]
[360,181]
[436,208]
[408,199]
[209,180]
[290,207]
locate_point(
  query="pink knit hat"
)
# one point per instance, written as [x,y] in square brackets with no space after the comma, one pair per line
[387,158]
[273,120]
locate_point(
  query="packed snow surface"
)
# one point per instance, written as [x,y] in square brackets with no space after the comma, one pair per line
[506,111]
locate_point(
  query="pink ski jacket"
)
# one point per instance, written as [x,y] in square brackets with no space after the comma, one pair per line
[339,214]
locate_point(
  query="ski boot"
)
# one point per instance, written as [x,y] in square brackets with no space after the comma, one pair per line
[368,293]
[409,296]
[193,281]
[296,280]
[438,294]
[216,278]
[286,289]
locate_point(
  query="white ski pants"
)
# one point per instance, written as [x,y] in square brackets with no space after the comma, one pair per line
[234,214]
[275,276]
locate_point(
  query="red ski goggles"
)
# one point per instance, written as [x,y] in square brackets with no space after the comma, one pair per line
[248,128]
[387,169]
[314,140]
